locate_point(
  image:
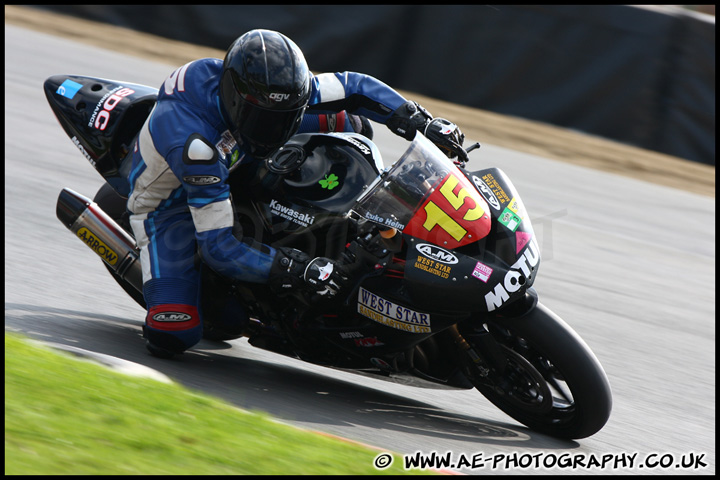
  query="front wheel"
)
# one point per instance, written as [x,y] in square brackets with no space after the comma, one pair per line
[548,378]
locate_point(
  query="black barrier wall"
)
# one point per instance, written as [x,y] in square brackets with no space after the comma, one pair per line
[634,75]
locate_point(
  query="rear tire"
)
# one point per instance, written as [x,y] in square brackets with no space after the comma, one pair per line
[553,383]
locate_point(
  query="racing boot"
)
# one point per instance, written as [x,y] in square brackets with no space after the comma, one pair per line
[155,350]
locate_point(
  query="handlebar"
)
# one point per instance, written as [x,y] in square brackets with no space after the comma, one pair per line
[472,147]
[462,157]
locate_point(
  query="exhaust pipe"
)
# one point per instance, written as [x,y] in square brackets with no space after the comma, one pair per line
[102,234]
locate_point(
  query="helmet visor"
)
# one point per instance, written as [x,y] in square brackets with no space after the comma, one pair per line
[262,131]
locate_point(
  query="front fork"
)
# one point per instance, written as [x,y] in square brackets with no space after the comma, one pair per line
[480,350]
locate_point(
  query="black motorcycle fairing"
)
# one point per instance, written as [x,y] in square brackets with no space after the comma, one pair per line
[102,118]
[375,327]
[486,275]
[511,224]
[321,171]
[300,196]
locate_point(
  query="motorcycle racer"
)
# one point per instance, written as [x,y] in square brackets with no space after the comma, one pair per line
[210,116]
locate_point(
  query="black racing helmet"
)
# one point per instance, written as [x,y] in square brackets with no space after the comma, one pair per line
[264,89]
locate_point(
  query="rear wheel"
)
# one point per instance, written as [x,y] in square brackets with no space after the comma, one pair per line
[549,380]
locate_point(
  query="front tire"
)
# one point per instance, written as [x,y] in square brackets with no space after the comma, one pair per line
[551,380]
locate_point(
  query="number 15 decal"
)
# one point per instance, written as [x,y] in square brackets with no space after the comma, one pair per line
[453,215]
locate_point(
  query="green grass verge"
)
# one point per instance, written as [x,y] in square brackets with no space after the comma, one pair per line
[65,416]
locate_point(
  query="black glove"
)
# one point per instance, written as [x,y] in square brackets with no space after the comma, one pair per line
[408,119]
[292,269]
[447,137]
[361,125]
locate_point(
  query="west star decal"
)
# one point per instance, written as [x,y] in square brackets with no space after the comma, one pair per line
[431,266]
[497,190]
[384,311]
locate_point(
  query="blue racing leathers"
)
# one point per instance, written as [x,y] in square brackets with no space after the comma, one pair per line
[179,200]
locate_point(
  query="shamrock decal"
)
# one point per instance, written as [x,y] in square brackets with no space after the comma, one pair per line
[330,182]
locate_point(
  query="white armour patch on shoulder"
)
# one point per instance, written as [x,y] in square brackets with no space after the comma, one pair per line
[199,150]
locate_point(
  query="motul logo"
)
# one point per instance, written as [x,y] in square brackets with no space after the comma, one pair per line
[514,278]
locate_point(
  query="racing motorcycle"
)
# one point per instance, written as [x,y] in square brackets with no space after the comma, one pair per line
[443,262]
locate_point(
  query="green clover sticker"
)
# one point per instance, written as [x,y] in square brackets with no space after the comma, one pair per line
[330,182]
[234,157]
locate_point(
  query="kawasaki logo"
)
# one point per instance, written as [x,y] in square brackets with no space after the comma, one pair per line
[291,214]
[99,247]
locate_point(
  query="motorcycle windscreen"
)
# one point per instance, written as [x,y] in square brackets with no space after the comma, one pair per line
[425,196]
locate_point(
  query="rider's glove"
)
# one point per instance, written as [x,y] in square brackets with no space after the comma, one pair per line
[293,268]
[447,137]
[407,119]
